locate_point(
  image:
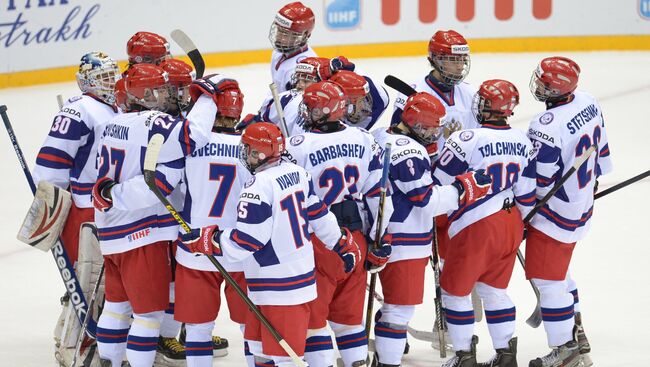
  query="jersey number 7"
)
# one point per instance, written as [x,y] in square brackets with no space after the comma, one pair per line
[225,174]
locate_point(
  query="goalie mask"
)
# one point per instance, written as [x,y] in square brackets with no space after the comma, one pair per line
[97,76]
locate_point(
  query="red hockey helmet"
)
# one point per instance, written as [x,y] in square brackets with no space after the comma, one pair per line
[147,85]
[230,102]
[310,70]
[322,102]
[449,55]
[181,76]
[291,27]
[261,144]
[147,47]
[495,99]
[120,95]
[357,91]
[554,78]
[422,115]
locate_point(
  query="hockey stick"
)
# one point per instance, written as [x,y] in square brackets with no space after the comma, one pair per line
[621,185]
[378,224]
[61,258]
[440,315]
[93,297]
[535,318]
[150,160]
[279,110]
[183,40]
[59,100]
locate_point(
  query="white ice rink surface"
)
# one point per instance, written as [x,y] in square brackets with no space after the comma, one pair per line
[611,265]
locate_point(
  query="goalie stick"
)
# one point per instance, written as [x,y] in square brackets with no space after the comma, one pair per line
[93,298]
[150,160]
[63,264]
[378,224]
[183,40]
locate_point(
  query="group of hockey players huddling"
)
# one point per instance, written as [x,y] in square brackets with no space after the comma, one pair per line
[292,218]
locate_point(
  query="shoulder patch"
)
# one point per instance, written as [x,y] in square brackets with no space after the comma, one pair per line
[74,99]
[546,118]
[250,182]
[466,135]
[402,141]
[296,140]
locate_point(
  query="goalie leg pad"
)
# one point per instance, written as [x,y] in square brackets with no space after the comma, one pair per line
[46,217]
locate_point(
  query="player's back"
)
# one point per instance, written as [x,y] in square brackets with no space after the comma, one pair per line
[122,148]
[344,164]
[214,178]
[67,157]
[561,135]
[283,66]
[506,154]
[273,223]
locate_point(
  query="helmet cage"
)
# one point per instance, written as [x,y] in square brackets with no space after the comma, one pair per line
[160,98]
[285,40]
[305,75]
[542,91]
[426,135]
[359,108]
[452,68]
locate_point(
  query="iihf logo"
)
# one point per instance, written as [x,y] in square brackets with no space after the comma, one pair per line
[466,135]
[297,140]
[644,9]
[546,118]
[402,141]
[342,14]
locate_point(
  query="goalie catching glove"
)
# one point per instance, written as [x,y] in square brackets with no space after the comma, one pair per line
[472,186]
[203,241]
[348,250]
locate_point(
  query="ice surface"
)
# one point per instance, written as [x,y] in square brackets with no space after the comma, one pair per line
[610,265]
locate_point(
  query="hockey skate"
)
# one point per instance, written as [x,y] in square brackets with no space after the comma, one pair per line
[583,342]
[506,357]
[219,346]
[566,355]
[464,358]
[169,353]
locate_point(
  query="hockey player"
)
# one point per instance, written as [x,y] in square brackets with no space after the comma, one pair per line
[147,48]
[276,209]
[134,227]
[181,76]
[572,122]
[415,201]
[66,160]
[212,171]
[485,236]
[307,71]
[345,163]
[289,34]
[366,100]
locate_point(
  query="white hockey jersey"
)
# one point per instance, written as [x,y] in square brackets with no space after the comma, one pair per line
[345,165]
[290,101]
[380,102]
[276,209]
[506,154]
[559,135]
[214,178]
[415,198]
[67,158]
[137,217]
[457,102]
[283,66]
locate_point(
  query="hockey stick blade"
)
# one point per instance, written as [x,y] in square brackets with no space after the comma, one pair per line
[183,40]
[399,85]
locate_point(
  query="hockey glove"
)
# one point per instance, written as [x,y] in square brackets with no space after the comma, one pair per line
[432,151]
[247,120]
[472,186]
[378,257]
[101,194]
[341,63]
[212,85]
[203,241]
[348,250]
